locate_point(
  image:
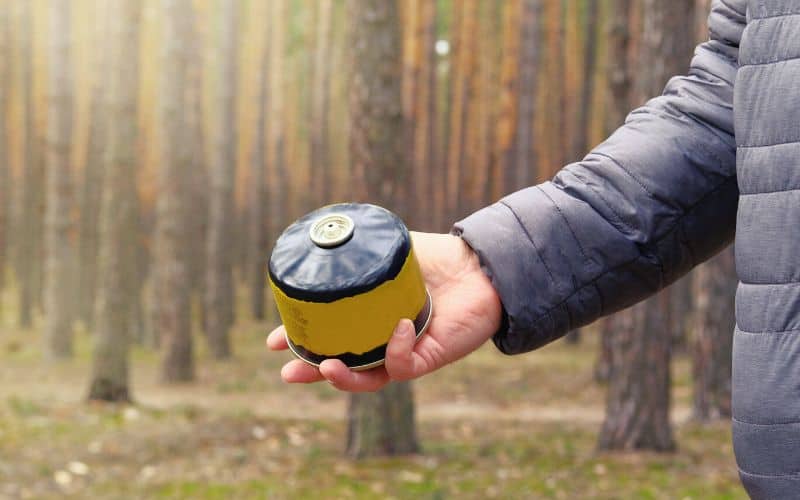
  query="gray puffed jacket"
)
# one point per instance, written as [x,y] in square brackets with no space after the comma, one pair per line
[659,197]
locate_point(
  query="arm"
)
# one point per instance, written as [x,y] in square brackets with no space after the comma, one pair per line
[657,198]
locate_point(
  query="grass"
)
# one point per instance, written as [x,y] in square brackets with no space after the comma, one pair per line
[491,427]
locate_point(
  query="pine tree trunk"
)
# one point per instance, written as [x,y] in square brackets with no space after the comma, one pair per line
[637,407]
[257,217]
[276,145]
[118,217]
[380,423]
[30,222]
[90,197]
[620,90]
[219,277]
[712,336]
[5,176]
[638,400]
[172,267]
[320,96]
[59,252]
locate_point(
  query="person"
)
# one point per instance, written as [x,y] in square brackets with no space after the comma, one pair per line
[657,198]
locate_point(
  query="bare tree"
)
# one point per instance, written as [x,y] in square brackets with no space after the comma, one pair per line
[219,290]
[58,222]
[117,288]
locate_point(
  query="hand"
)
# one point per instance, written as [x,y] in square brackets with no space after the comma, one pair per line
[466,313]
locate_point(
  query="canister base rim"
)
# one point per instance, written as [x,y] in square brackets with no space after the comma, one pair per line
[421,323]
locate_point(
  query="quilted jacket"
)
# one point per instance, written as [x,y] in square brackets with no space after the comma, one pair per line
[659,197]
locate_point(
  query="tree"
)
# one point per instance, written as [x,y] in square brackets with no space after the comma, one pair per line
[58,222]
[419,97]
[320,98]
[5,176]
[380,423]
[29,224]
[712,336]
[514,157]
[620,101]
[637,406]
[257,245]
[90,196]
[219,292]
[171,263]
[117,288]
[277,179]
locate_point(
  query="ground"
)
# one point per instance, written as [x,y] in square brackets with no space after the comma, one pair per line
[491,427]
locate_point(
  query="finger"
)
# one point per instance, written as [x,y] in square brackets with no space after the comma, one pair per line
[402,363]
[276,341]
[344,379]
[299,372]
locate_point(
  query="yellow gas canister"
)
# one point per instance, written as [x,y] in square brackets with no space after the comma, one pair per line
[343,276]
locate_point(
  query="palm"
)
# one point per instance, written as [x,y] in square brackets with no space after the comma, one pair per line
[466,312]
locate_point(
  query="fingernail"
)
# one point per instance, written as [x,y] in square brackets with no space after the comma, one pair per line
[403,328]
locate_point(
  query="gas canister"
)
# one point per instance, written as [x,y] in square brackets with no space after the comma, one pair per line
[342,277]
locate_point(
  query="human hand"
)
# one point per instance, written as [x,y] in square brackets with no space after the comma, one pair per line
[466,313]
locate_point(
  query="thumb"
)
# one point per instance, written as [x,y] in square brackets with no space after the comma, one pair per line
[401,361]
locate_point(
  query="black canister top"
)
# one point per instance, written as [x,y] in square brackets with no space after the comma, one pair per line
[339,251]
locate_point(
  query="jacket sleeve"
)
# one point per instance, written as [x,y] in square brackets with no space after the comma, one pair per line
[657,198]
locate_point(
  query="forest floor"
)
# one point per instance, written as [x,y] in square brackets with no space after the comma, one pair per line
[490,427]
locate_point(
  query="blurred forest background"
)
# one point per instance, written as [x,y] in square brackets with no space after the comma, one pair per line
[152,150]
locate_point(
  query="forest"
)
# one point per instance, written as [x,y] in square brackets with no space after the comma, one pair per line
[151,152]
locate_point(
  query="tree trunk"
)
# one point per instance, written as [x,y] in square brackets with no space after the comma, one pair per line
[172,277]
[91,192]
[320,97]
[712,336]
[419,90]
[380,423]
[59,254]
[257,218]
[30,222]
[118,217]
[637,405]
[620,90]
[5,176]
[276,145]
[219,277]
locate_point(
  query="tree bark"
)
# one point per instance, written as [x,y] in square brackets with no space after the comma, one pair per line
[58,223]
[637,407]
[172,277]
[712,336]
[30,222]
[5,175]
[91,192]
[380,423]
[219,278]
[320,97]
[277,185]
[620,96]
[117,288]
[638,400]
[257,217]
